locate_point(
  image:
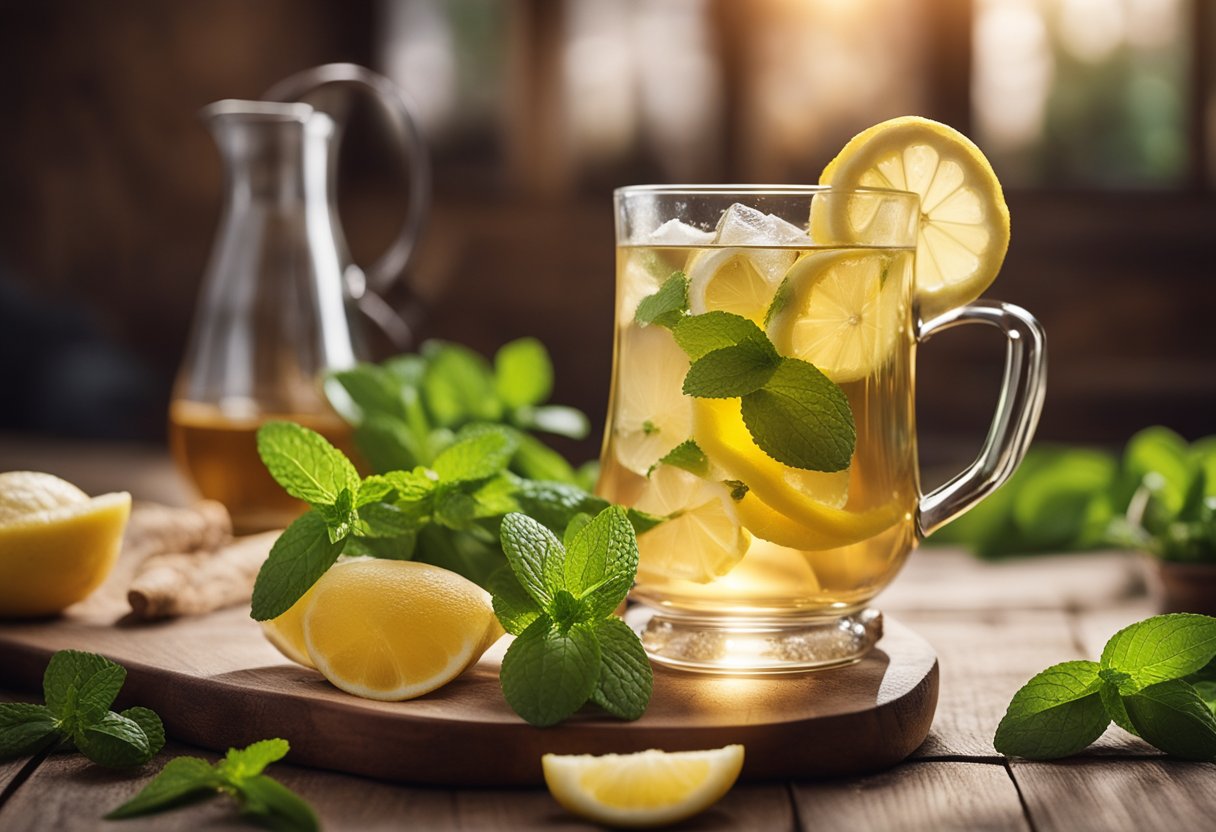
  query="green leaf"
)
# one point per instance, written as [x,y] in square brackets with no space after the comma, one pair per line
[1161,648]
[555,418]
[577,523]
[699,335]
[411,486]
[1206,690]
[1161,452]
[1171,716]
[626,679]
[1055,714]
[304,463]
[523,373]
[240,763]
[547,675]
[25,729]
[298,558]
[554,503]
[602,561]
[373,489]
[1112,700]
[150,724]
[454,509]
[183,780]
[383,520]
[529,547]
[666,306]
[476,457]
[114,742]
[801,419]
[514,607]
[67,673]
[687,455]
[277,806]
[97,692]
[1051,503]
[458,552]
[537,461]
[341,519]
[458,386]
[388,444]
[643,521]
[565,611]
[389,548]
[372,389]
[731,371]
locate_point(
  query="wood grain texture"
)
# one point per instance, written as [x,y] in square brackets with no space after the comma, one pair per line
[1090,794]
[216,683]
[930,796]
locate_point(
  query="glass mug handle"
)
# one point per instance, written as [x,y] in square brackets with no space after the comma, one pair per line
[1017,409]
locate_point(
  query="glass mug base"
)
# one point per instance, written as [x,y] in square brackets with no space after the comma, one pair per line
[754,646]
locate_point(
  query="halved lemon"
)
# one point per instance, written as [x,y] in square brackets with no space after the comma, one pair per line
[394,629]
[702,541]
[56,544]
[652,413]
[286,633]
[964,222]
[649,788]
[842,311]
[736,280]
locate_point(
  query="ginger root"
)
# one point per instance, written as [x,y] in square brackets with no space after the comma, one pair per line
[196,582]
[154,529]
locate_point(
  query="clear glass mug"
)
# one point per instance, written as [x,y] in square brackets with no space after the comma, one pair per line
[780,539]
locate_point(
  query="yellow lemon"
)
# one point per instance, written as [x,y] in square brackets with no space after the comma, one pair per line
[286,632]
[842,311]
[702,541]
[393,629]
[964,221]
[736,280]
[56,544]
[652,412]
[649,788]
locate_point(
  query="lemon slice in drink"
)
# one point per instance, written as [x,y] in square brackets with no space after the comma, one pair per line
[964,223]
[649,788]
[396,629]
[702,541]
[652,413]
[732,280]
[841,311]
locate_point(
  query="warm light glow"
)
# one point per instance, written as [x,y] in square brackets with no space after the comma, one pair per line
[1013,71]
[1091,30]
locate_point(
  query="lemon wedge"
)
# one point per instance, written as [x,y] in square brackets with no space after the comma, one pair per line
[394,629]
[286,633]
[649,788]
[702,541]
[964,223]
[842,311]
[56,544]
[733,280]
[652,413]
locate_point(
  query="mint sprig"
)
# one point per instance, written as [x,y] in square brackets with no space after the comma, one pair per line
[239,775]
[1146,682]
[558,600]
[78,689]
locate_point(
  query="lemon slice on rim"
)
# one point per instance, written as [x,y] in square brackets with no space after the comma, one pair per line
[733,280]
[652,413]
[964,223]
[842,311]
[702,541]
[649,788]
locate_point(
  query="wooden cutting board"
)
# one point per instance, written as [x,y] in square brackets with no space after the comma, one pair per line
[217,683]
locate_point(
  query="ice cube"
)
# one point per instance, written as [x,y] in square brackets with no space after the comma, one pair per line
[742,225]
[677,233]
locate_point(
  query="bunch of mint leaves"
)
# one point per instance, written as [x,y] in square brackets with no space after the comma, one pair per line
[446,513]
[1156,679]
[557,597]
[795,413]
[187,780]
[79,689]
[408,410]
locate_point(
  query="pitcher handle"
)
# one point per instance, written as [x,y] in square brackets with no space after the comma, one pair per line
[1017,409]
[381,274]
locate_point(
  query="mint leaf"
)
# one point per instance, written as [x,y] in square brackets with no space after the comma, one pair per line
[387,520]
[388,443]
[1206,691]
[801,419]
[372,389]
[1112,700]
[577,523]
[458,386]
[530,547]
[687,455]
[411,486]
[298,558]
[97,692]
[1171,716]
[731,371]
[666,306]
[341,517]
[537,461]
[548,675]
[555,418]
[114,742]
[514,607]
[276,805]
[240,763]
[181,781]
[64,675]
[699,335]
[373,489]
[476,457]
[626,679]
[523,374]
[601,562]
[150,724]
[304,463]
[1057,713]
[25,728]
[1161,648]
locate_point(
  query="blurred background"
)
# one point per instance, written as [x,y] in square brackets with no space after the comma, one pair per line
[1099,117]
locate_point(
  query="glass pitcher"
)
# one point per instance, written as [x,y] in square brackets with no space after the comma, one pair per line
[281,301]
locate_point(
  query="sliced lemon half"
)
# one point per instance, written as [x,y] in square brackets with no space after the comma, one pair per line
[286,633]
[736,280]
[964,221]
[649,788]
[842,311]
[703,541]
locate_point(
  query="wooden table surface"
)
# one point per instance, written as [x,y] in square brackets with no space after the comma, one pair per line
[994,626]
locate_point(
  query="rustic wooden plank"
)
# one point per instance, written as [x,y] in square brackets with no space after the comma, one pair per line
[1083,793]
[925,795]
[12,771]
